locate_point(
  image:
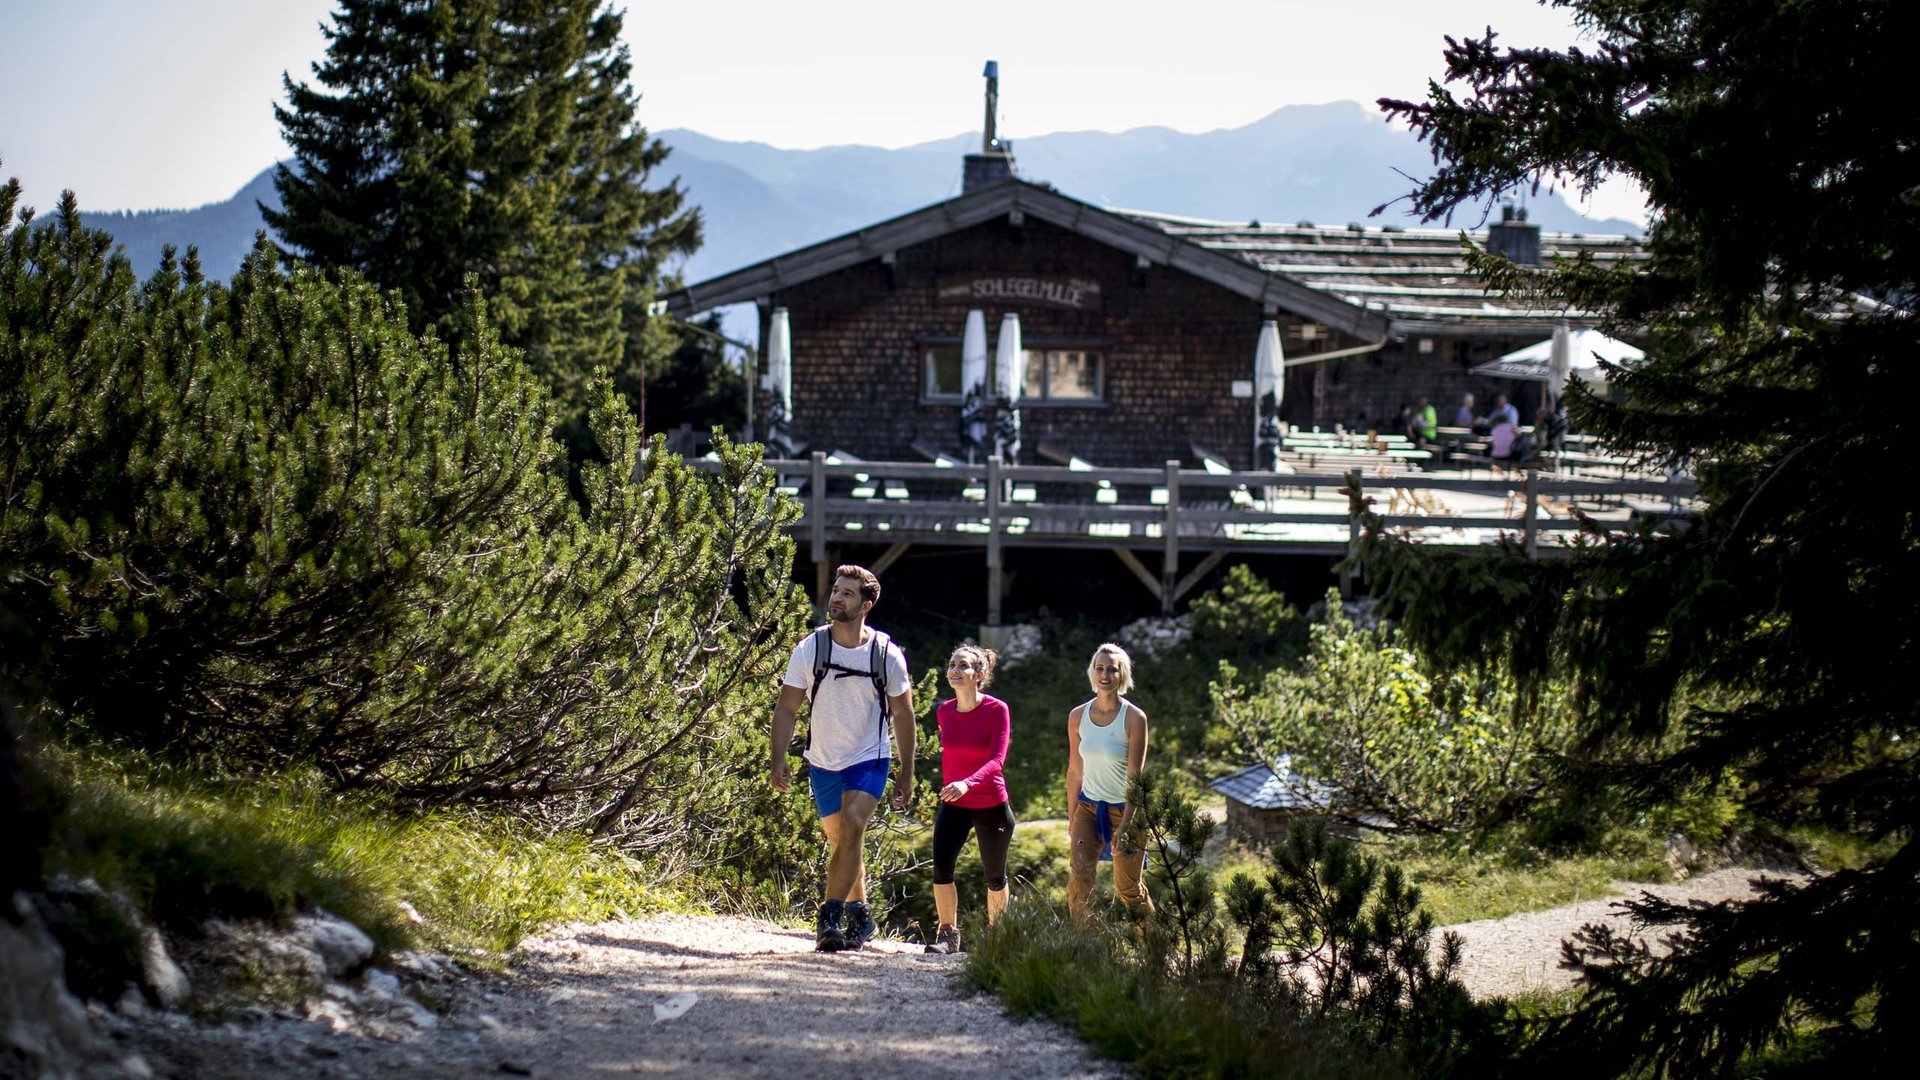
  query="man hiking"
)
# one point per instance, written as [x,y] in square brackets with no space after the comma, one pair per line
[855,681]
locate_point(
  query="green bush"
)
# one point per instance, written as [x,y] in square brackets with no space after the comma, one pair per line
[261,525]
[1380,738]
[1243,619]
[1336,933]
[1334,974]
[1093,981]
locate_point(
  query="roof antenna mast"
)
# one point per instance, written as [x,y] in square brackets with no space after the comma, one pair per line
[991,141]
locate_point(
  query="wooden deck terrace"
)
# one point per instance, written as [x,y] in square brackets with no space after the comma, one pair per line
[1186,513]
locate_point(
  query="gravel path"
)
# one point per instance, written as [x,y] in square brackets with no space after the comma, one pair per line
[712,996]
[1502,957]
[672,996]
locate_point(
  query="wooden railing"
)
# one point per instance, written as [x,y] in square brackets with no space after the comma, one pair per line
[1177,510]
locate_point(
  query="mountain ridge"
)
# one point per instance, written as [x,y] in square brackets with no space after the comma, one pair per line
[1330,163]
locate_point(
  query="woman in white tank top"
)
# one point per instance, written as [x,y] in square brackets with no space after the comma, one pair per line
[1106,746]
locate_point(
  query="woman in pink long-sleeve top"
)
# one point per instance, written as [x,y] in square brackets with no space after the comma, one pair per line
[974,731]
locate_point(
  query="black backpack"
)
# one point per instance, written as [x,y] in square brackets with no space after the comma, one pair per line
[823,663]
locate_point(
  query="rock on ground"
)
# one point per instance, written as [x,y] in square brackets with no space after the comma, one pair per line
[44,1031]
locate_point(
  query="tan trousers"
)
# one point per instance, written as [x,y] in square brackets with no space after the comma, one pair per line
[1083,831]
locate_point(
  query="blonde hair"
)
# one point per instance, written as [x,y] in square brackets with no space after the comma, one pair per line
[1120,660]
[986,657]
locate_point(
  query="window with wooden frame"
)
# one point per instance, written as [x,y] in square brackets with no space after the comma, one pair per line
[1056,374]
[1065,375]
[940,373]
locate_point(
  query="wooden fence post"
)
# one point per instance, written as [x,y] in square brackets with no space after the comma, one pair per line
[1353,537]
[1532,520]
[1170,537]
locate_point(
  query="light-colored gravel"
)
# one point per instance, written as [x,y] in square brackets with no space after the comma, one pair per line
[673,995]
[1519,953]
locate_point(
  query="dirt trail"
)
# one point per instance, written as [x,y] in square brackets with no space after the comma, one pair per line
[671,996]
[713,996]
[1522,952]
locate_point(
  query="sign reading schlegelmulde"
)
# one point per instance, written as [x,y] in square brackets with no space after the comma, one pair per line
[1075,294]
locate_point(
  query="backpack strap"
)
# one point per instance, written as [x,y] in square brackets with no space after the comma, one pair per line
[877,668]
[822,659]
[822,656]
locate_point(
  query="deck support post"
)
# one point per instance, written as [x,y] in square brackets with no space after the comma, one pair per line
[996,580]
[890,556]
[1170,536]
[1140,570]
[1200,570]
[816,504]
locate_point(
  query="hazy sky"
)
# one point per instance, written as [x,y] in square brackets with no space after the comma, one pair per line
[137,104]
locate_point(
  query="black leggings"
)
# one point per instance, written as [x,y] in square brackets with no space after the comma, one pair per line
[950,827]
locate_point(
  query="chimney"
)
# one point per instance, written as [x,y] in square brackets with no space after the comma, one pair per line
[994,163]
[1514,237]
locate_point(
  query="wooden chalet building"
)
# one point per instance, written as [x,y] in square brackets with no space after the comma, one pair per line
[1140,328]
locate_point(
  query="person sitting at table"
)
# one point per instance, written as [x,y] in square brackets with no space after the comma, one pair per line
[1425,427]
[1403,421]
[1551,426]
[1502,439]
[1463,416]
[1507,444]
[1502,409]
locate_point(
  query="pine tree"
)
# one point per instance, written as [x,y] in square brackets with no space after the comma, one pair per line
[263,523]
[1773,635]
[494,138]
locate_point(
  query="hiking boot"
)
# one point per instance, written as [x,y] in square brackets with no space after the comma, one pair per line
[946,942]
[860,926]
[830,933]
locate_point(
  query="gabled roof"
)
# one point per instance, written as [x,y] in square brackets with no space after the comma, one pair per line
[1134,235]
[1369,281]
[1258,787]
[1418,278]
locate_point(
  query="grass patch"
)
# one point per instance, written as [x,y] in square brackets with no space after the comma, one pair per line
[1091,980]
[1498,880]
[187,848]
[1489,882]
[1833,849]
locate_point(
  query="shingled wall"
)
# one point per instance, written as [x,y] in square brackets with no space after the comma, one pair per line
[1174,345]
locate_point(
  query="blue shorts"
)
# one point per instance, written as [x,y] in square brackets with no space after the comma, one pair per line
[828,785]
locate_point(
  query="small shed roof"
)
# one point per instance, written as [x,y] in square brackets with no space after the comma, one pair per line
[1259,787]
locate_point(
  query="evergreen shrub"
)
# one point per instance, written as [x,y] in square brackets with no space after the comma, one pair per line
[1380,737]
[261,525]
[1323,967]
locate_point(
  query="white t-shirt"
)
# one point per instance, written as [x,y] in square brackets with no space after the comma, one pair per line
[846,728]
